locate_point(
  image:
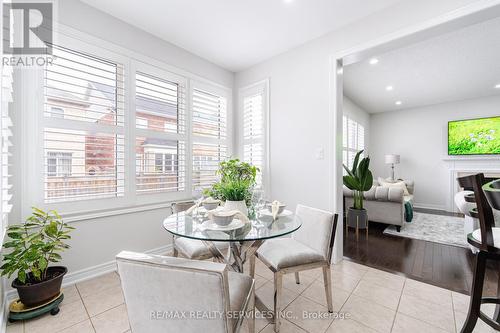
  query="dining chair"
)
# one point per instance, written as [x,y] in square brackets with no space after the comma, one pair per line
[191,248]
[166,294]
[486,240]
[309,247]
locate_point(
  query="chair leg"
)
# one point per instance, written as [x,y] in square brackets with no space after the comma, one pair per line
[327,280]
[251,320]
[297,278]
[496,316]
[476,293]
[278,280]
[252,266]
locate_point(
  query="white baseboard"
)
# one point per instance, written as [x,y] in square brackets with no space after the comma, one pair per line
[430,206]
[87,273]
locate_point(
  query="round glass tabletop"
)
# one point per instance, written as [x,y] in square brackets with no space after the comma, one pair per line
[199,227]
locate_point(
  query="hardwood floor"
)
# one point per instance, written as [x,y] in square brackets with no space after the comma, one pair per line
[442,265]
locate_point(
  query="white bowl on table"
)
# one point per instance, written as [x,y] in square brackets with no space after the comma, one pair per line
[223,218]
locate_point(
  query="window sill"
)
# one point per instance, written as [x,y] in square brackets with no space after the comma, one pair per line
[89,215]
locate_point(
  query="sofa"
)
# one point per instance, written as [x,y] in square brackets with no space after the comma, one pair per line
[384,204]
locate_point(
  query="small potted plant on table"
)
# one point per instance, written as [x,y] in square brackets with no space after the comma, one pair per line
[235,186]
[32,246]
[358,179]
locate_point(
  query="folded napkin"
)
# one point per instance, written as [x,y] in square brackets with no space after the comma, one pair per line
[199,204]
[192,208]
[237,215]
[275,207]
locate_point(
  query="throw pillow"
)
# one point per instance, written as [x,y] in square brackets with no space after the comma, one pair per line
[400,184]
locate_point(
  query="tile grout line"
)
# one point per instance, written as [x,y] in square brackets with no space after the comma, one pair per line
[85,307]
[399,302]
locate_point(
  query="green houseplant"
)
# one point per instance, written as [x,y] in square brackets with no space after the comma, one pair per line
[237,179]
[358,179]
[30,249]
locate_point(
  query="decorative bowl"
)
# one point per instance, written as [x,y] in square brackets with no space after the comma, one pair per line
[210,205]
[223,218]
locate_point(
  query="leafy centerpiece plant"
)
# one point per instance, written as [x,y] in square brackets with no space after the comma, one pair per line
[28,252]
[358,179]
[235,185]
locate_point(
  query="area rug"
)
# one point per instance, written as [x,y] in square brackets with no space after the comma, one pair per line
[433,228]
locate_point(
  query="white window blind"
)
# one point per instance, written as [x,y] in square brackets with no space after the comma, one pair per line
[83,127]
[210,132]
[6,133]
[160,141]
[254,104]
[353,140]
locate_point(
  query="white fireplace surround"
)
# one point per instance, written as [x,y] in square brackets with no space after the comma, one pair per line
[466,165]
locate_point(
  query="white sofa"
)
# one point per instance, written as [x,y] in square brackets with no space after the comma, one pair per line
[384,204]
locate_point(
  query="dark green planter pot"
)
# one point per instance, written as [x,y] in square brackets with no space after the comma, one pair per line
[357,218]
[40,293]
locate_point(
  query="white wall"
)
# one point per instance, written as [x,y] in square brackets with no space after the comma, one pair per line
[299,102]
[420,137]
[97,241]
[359,115]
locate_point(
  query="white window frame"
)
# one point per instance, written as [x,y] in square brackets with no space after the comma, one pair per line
[31,119]
[249,90]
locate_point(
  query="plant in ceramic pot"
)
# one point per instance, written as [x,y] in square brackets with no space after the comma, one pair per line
[237,180]
[358,179]
[31,247]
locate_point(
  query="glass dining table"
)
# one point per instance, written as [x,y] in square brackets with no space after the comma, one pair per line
[243,241]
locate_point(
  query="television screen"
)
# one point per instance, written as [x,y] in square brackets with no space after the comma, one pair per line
[474,136]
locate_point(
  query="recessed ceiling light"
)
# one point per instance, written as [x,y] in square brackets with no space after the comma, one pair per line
[497,86]
[373,61]
[399,103]
[389,88]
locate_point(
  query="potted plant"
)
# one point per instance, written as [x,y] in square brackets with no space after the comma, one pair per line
[235,185]
[358,179]
[32,246]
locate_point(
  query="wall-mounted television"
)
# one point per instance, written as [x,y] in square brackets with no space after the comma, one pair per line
[479,136]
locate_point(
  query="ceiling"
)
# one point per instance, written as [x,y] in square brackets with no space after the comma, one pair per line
[236,34]
[460,65]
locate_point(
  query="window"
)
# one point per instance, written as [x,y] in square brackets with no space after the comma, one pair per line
[160,125]
[254,104]
[101,111]
[353,140]
[83,144]
[59,164]
[209,122]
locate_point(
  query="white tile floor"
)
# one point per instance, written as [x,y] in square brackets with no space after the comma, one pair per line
[375,301]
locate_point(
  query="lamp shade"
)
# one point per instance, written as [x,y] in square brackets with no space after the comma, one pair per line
[392,159]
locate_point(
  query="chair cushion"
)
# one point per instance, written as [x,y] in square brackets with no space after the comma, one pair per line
[239,287]
[193,248]
[496,236]
[286,252]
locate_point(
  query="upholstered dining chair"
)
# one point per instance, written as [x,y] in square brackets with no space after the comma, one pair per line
[309,247]
[191,248]
[486,240]
[166,294]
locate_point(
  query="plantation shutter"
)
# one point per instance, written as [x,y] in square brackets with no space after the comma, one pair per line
[254,128]
[84,133]
[160,127]
[6,133]
[210,132]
